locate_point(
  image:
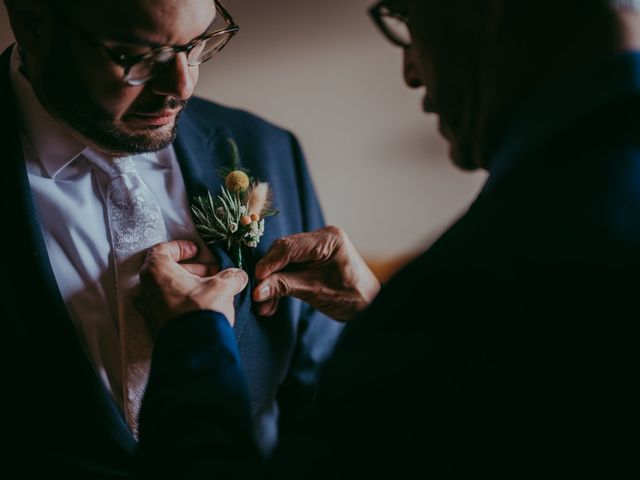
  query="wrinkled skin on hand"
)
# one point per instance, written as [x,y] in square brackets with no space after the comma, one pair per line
[321,268]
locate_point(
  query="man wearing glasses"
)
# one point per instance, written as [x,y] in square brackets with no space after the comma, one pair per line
[509,349]
[102,153]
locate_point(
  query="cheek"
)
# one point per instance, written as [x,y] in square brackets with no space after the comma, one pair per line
[102,79]
[112,93]
[194,73]
[117,99]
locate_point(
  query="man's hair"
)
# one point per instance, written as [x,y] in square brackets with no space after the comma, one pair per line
[625,4]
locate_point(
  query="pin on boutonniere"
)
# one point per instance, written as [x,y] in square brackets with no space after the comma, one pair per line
[235,217]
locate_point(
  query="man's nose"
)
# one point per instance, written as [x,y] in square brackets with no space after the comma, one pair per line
[177,80]
[411,70]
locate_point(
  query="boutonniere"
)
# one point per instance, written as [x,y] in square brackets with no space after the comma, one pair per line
[234,218]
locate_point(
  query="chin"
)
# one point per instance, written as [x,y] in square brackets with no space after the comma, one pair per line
[463,159]
[126,140]
[461,153]
[460,147]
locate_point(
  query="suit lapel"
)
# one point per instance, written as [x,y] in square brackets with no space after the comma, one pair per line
[202,151]
[29,291]
[198,150]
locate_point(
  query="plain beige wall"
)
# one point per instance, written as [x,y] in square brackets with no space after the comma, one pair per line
[321,69]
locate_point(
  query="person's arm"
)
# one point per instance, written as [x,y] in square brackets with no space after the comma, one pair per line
[195,417]
[195,421]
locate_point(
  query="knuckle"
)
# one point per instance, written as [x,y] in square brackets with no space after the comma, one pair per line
[338,238]
[229,274]
[282,243]
[157,249]
[152,269]
[320,251]
[182,248]
[331,230]
[335,231]
[283,286]
[215,282]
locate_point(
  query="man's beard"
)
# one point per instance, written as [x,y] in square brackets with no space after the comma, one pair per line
[454,130]
[77,107]
[455,109]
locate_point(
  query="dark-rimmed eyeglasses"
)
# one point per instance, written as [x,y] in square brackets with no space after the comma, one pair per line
[139,69]
[392,18]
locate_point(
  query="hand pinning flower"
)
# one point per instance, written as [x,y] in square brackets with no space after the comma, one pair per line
[235,217]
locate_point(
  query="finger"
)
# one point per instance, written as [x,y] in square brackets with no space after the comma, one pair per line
[177,250]
[274,308]
[279,285]
[201,270]
[204,254]
[159,269]
[276,259]
[262,292]
[232,281]
[265,308]
[299,248]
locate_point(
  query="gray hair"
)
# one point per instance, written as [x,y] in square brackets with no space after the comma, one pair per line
[625,4]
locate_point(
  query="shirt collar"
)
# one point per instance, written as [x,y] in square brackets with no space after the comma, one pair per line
[53,144]
[556,107]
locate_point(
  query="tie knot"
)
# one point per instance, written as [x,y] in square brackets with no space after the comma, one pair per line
[114,167]
[123,165]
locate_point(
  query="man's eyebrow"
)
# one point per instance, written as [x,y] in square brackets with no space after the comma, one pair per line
[135,40]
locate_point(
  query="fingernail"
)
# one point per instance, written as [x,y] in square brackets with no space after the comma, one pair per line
[263,293]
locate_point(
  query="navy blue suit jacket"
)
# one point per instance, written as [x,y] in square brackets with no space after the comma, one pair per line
[56,414]
[508,350]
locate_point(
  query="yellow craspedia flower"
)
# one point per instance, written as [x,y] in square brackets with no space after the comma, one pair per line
[237,181]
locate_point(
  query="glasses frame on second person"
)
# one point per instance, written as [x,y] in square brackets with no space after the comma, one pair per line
[385,8]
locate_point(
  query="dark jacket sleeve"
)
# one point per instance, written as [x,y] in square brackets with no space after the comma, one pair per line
[195,421]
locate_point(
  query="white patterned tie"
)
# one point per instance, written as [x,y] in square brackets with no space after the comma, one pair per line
[136,224]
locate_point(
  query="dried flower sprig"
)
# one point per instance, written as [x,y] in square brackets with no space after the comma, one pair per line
[235,217]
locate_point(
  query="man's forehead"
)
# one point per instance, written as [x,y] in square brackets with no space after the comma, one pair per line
[159,21]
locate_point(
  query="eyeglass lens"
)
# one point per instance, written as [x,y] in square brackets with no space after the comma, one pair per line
[201,52]
[396,28]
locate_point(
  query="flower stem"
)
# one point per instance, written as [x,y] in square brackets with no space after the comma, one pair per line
[239,256]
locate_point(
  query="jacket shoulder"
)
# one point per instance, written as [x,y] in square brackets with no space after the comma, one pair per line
[235,119]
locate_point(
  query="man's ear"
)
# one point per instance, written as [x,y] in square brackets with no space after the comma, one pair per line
[28,22]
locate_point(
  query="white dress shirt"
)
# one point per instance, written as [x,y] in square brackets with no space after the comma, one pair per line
[69,193]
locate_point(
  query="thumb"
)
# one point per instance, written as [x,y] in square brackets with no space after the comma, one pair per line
[233,280]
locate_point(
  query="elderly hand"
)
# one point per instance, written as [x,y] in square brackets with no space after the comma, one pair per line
[169,289]
[321,268]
